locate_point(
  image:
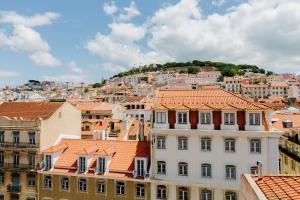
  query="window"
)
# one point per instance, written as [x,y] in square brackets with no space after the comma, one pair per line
[182,169]
[47,182]
[230,196]
[161,192]
[206,170]
[31,160]
[205,118]
[253,170]
[206,195]
[101,165]
[101,186]
[229,119]
[140,190]
[254,118]
[120,188]
[81,164]
[230,145]
[64,183]
[1,136]
[31,180]
[205,144]
[2,177]
[183,193]
[161,167]
[230,172]
[16,158]
[82,185]
[161,117]
[182,143]
[31,136]
[1,158]
[30,198]
[293,165]
[255,146]
[182,118]
[48,162]
[140,167]
[16,137]
[161,142]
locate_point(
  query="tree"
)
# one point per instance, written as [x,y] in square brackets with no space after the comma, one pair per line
[193,70]
[229,71]
[269,73]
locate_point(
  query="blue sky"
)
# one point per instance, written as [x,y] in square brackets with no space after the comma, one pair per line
[87,40]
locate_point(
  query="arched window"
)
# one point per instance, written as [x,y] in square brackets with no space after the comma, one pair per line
[206,194]
[183,193]
[47,182]
[161,192]
[230,196]
[64,183]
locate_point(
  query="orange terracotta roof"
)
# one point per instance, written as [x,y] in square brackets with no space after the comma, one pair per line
[96,106]
[56,148]
[29,110]
[123,153]
[135,126]
[293,117]
[280,186]
[279,84]
[212,98]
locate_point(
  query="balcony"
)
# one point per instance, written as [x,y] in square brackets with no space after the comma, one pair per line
[18,145]
[14,188]
[289,154]
[21,167]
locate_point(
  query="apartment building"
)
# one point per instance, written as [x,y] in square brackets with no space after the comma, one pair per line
[233,84]
[139,110]
[289,123]
[260,90]
[27,128]
[96,169]
[204,139]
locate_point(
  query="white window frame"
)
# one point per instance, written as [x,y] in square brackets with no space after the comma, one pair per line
[101,162]
[140,190]
[205,118]
[82,164]
[206,143]
[255,146]
[229,118]
[48,161]
[100,186]
[231,196]
[229,147]
[161,142]
[47,181]
[161,117]
[183,169]
[206,194]
[254,119]
[64,183]
[161,167]
[140,167]
[206,170]
[230,172]
[183,193]
[161,192]
[120,188]
[182,117]
[182,143]
[82,185]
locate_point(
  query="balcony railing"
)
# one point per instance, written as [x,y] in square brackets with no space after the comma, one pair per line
[293,139]
[22,167]
[18,145]
[288,153]
[14,188]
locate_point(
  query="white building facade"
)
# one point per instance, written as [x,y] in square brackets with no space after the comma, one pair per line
[201,152]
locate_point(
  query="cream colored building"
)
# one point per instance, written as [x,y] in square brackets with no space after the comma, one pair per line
[26,129]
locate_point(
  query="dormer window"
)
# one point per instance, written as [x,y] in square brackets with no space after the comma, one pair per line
[48,162]
[229,118]
[101,165]
[161,117]
[140,167]
[254,119]
[81,164]
[182,118]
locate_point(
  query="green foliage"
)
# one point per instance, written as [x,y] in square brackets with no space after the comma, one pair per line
[193,70]
[269,73]
[220,78]
[227,69]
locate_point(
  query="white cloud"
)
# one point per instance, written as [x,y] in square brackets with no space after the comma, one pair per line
[127,32]
[129,12]
[4,73]
[11,17]
[218,3]
[44,58]
[110,8]
[264,33]
[24,38]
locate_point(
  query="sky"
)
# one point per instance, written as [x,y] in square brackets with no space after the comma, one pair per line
[85,41]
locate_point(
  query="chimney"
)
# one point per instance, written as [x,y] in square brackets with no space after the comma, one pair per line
[259,169]
[141,130]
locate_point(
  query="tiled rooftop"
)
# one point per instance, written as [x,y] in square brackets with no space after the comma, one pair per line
[29,110]
[210,98]
[281,187]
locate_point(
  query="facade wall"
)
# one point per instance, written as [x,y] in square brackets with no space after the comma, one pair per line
[56,193]
[64,123]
